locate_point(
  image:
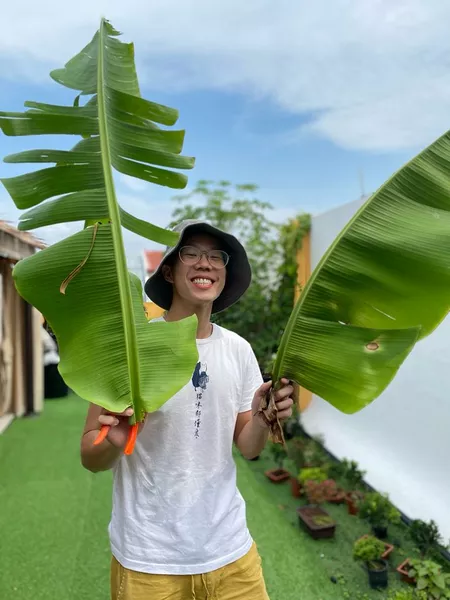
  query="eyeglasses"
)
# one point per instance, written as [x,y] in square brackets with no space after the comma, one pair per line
[190,256]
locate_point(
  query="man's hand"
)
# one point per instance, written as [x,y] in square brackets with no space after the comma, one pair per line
[119,426]
[283,401]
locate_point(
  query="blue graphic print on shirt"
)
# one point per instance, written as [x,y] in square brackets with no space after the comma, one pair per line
[200,380]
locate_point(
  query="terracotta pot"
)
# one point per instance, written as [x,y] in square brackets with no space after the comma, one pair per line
[278,475]
[352,508]
[403,571]
[389,548]
[295,487]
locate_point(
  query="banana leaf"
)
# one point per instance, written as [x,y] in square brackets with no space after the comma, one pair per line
[110,355]
[383,285]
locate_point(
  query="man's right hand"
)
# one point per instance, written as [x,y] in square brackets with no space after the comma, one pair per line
[102,456]
[119,426]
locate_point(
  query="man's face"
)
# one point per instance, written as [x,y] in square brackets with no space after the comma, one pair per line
[201,283]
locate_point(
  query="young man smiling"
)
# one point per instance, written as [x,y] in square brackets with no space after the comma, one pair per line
[178,528]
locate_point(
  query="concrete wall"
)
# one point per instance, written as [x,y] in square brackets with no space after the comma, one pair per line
[403,438]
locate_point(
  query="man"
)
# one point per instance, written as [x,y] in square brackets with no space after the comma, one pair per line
[178,528]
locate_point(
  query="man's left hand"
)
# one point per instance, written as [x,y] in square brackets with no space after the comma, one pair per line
[283,400]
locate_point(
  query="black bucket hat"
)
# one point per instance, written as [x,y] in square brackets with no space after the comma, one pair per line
[239,272]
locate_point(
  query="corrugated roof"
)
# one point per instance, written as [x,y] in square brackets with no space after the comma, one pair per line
[23,236]
[152,258]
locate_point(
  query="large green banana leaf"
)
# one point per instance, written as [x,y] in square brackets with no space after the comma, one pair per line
[110,355]
[383,285]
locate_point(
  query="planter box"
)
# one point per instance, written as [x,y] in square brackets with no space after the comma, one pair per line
[278,475]
[389,548]
[316,521]
[403,571]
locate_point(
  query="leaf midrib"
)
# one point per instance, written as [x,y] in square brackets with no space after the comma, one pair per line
[126,303]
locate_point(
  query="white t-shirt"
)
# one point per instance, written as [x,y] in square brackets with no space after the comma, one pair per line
[176,507]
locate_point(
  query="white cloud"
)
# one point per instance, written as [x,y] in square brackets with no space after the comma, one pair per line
[374,73]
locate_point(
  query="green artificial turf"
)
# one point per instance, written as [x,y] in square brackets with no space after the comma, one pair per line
[54,517]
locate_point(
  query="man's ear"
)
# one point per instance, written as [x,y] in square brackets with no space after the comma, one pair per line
[167,273]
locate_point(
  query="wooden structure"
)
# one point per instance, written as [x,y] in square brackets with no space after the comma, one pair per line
[152,259]
[21,354]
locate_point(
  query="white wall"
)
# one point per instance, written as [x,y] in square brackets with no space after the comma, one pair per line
[402,439]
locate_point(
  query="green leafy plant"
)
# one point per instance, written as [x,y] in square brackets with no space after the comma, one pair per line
[279,454]
[296,452]
[351,473]
[290,466]
[368,549]
[378,510]
[383,284]
[314,453]
[430,579]
[110,355]
[316,474]
[408,594]
[424,535]
[322,520]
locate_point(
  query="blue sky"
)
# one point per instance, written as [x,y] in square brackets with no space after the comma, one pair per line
[296,98]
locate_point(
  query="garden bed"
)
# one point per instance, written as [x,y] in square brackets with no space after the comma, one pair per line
[332,556]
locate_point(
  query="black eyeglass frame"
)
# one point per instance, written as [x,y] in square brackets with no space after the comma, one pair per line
[206,253]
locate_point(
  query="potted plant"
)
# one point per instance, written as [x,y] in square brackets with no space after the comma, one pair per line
[279,455]
[353,499]
[369,550]
[425,536]
[316,521]
[379,512]
[388,548]
[430,579]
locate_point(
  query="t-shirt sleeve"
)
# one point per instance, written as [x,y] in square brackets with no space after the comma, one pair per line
[251,380]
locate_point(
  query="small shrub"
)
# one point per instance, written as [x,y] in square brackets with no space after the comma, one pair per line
[314,453]
[322,520]
[377,510]
[408,594]
[368,549]
[424,536]
[353,476]
[335,469]
[279,454]
[430,579]
[296,452]
[319,492]
[290,466]
[317,474]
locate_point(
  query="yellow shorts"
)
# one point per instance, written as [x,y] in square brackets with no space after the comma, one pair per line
[240,580]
